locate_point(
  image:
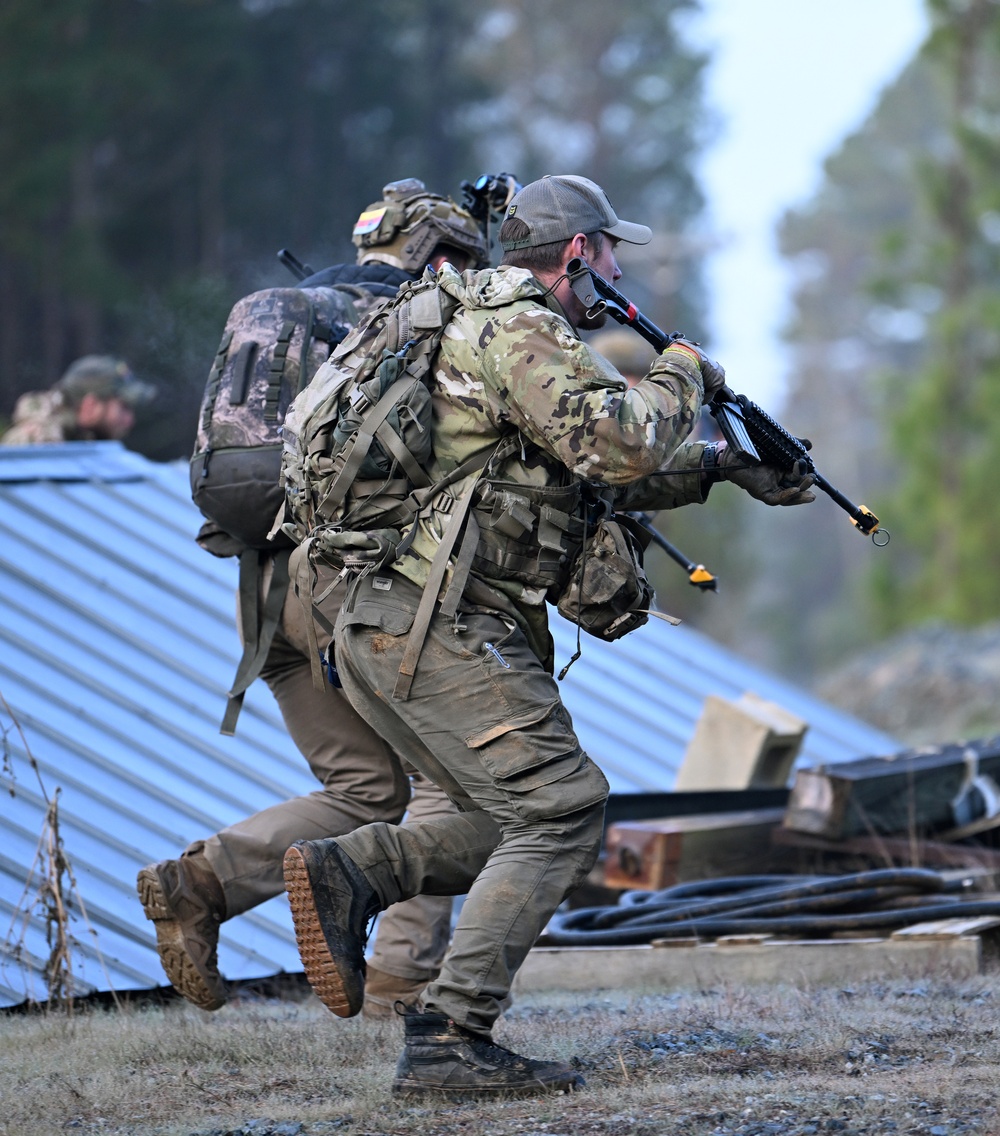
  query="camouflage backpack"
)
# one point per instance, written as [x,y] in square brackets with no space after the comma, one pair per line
[273,343]
[357,441]
[358,446]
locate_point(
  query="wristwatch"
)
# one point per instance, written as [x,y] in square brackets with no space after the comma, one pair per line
[710,472]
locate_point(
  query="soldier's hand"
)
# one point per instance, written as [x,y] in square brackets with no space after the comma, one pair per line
[765,482]
[713,376]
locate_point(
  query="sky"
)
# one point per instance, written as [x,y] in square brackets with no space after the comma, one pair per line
[789,81]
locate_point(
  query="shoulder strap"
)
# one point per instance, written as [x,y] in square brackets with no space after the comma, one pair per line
[258,624]
[439,565]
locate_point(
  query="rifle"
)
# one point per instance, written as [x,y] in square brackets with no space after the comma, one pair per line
[698,574]
[295,266]
[753,435]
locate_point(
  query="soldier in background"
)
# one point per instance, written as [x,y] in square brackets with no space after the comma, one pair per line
[96,398]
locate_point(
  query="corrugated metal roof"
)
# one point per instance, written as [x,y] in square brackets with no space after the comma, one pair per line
[117,644]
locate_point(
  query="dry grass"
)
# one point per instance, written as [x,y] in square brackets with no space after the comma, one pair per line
[882,1058]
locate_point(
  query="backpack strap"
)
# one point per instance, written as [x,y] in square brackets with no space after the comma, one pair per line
[258,624]
[277,369]
[428,599]
[439,565]
[215,379]
[361,444]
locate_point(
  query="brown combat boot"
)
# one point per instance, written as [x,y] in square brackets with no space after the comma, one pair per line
[383,991]
[442,1059]
[184,899]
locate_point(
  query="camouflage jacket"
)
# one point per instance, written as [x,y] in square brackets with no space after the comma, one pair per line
[42,416]
[511,364]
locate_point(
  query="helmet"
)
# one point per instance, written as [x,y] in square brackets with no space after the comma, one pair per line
[106,377]
[404,228]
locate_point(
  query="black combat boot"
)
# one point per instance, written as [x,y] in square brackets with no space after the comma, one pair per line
[441,1058]
[333,905]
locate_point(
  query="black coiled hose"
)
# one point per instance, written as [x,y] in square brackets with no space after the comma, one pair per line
[800,905]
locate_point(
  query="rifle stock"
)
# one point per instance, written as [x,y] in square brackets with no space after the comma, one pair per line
[754,435]
[698,575]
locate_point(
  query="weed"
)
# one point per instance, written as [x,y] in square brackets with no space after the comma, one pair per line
[50,889]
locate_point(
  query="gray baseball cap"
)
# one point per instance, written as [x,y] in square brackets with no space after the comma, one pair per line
[558,206]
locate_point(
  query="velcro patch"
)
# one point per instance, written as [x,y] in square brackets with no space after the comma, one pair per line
[368,222]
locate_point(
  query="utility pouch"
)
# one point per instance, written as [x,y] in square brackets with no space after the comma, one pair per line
[608,594]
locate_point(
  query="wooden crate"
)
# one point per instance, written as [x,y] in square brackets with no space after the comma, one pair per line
[908,792]
[650,855]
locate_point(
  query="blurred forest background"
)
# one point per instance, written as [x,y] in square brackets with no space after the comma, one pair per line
[156,154]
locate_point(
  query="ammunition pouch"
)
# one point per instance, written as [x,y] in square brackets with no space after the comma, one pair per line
[531,534]
[565,539]
[608,594]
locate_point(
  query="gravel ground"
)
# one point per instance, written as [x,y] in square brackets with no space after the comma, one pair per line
[911,1056]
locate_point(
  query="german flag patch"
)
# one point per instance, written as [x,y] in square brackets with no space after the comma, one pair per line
[368,222]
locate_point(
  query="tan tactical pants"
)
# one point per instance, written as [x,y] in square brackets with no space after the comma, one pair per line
[484,719]
[362,781]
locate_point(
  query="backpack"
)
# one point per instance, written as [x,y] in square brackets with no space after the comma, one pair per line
[273,343]
[357,451]
[357,440]
[357,447]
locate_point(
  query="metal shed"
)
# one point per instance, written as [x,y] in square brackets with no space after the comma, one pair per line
[117,644]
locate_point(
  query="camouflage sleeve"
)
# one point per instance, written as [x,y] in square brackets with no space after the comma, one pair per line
[34,432]
[39,417]
[569,400]
[678,483]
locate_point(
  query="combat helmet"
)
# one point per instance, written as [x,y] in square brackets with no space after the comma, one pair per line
[404,228]
[106,377]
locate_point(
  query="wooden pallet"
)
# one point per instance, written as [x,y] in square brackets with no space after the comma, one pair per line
[950,948]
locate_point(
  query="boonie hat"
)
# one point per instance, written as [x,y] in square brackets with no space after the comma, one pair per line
[559,205]
[105,377]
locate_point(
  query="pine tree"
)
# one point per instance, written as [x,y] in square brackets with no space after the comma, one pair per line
[945,416]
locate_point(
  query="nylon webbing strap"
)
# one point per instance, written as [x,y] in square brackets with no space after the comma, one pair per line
[363,439]
[303,590]
[306,342]
[215,379]
[242,365]
[463,566]
[394,444]
[471,465]
[428,600]
[258,626]
[277,371]
[470,542]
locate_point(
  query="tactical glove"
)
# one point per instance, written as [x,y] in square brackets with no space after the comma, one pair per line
[712,375]
[765,482]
